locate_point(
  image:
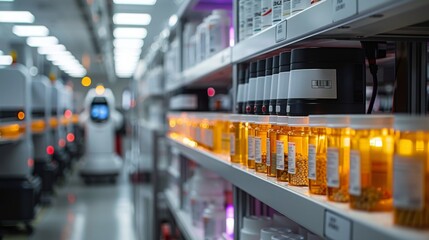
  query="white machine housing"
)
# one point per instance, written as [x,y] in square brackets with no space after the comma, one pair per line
[100,158]
[41,96]
[58,108]
[15,94]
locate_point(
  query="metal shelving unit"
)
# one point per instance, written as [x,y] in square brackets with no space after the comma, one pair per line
[357,19]
[182,218]
[327,23]
[207,72]
[313,212]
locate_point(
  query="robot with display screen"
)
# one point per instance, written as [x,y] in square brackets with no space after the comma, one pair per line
[100,120]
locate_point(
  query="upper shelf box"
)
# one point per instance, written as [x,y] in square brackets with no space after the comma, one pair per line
[335,19]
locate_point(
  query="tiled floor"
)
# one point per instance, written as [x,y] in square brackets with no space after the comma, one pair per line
[98,211]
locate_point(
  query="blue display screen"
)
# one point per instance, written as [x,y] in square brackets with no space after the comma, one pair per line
[99,112]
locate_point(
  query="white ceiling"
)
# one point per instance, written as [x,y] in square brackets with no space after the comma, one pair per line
[66,22]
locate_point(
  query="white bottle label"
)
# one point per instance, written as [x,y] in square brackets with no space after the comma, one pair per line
[283,85]
[251,148]
[240,93]
[286,8]
[266,13]
[312,84]
[299,5]
[249,17]
[280,157]
[232,144]
[258,150]
[260,81]
[267,87]
[408,183]
[270,108]
[291,158]
[355,181]
[312,164]
[274,86]
[242,19]
[268,147]
[257,21]
[277,11]
[333,167]
[277,108]
[251,93]
[209,138]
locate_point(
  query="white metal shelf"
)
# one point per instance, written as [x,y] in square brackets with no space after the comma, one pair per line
[214,71]
[357,19]
[183,219]
[296,203]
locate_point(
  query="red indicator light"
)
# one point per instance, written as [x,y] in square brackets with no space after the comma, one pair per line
[68,113]
[70,137]
[211,92]
[62,143]
[50,150]
[30,162]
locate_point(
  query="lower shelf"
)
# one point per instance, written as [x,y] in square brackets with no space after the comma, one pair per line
[183,219]
[311,211]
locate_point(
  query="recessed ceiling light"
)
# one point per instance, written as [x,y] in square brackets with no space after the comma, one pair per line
[128,43]
[135,2]
[131,18]
[130,33]
[42,41]
[51,50]
[172,20]
[6,60]
[30,31]
[16,17]
[127,51]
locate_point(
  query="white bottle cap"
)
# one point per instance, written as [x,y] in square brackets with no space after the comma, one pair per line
[337,121]
[371,121]
[267,233]
[262,119]
[317,121]
[273,119]
[411,123]
[235,117]
[282,120]
[298,121]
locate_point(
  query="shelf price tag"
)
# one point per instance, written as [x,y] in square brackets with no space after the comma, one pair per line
[344,9]
[336,227]
[281,30]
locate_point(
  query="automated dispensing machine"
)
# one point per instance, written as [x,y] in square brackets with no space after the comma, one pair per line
[100,120]
[19,190]
[42,139]
[61,157]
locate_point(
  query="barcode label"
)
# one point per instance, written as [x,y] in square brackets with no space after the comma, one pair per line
[321,84]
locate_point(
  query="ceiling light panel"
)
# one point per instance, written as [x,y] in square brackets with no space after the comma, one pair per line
[42,41]
[130,33]
[51,50]
[30,31]
[5,60]
[131,18]
[16,17]
[128,43]
[135,2]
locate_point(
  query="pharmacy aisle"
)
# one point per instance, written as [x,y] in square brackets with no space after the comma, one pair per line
[289,120]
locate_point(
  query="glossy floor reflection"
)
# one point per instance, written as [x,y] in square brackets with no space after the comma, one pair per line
[97,211]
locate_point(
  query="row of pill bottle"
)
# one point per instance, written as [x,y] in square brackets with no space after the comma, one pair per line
[262,126]
[338,157]
[298,151]
[271,147]
[317,146]
[411,172]
[282,149]
[371,153]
